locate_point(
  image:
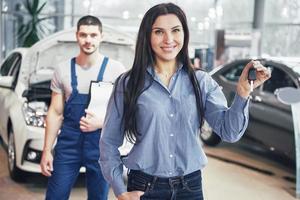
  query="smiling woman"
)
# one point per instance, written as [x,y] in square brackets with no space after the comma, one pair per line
[159,105]
[167,38]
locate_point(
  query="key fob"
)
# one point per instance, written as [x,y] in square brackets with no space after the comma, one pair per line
[252,74]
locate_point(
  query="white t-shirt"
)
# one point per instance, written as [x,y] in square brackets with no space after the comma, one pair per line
[61,81]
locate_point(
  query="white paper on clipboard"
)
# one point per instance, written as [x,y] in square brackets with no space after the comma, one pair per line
[99,95]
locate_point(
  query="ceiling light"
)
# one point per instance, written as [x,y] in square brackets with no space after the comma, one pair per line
[86,3]
[125,14]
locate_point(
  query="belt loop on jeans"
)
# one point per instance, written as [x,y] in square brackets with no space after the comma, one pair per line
[128,171]
[173,186]
[183,182]
[153,182]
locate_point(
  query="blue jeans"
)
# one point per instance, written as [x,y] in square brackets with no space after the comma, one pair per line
[188,187]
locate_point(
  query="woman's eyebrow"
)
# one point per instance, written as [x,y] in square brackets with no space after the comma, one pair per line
[178,26]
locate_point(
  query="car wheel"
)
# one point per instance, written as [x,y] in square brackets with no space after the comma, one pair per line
[14,172]
[208,136]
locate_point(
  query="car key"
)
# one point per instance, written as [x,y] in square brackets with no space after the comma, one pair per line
[251,77]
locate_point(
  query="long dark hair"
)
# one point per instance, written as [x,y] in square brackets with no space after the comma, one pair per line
[134,79]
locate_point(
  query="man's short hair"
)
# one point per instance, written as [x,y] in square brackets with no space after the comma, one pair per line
[89,20]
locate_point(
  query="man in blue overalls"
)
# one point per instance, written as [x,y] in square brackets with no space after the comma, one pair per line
[78,139]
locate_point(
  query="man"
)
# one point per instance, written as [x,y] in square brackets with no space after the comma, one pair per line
[78,140]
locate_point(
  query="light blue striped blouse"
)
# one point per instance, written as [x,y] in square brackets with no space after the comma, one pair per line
[169,125]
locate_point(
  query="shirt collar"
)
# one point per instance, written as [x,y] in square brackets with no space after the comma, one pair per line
[150,69]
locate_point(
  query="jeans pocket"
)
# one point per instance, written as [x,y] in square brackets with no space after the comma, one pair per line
[138,183]
[193,185]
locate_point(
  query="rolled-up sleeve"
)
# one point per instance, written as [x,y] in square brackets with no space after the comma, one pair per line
[56,81]
[112,136]
[231,122]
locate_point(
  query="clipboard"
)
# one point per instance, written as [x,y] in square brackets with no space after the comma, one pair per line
[99,94]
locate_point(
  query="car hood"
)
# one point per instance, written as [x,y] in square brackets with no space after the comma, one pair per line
[42,58]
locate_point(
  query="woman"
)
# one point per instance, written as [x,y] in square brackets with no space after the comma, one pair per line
[160,104]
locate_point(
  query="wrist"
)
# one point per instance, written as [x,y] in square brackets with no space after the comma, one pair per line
[47,150]
[121,196]
[100,124]
[243,92]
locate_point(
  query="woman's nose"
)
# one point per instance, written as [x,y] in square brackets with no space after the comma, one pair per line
[168,37]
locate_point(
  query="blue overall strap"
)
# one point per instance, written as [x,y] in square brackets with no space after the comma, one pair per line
[102,69]
[73,74]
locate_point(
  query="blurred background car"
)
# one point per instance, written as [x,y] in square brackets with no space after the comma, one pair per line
[25,92]
[271,123]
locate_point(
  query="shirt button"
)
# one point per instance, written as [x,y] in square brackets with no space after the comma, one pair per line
[170,96]
[171,156]
[171,115]
[171,134]
[170,173]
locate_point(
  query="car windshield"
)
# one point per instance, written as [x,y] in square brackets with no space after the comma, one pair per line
[295,66]
[297,69]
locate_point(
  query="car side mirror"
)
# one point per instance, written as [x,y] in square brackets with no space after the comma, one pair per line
[6,81]
[288,95]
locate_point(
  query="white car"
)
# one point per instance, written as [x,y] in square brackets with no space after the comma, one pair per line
[25,92]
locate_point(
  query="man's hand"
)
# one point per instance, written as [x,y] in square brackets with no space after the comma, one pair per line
[46,163]
[134,195]
[90,122]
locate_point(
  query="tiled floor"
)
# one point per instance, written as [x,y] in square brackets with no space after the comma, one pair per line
[229,176]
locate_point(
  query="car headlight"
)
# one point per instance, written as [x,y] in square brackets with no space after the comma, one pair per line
[35,113]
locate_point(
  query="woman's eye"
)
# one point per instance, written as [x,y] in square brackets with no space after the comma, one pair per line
[158,32]
[176,30]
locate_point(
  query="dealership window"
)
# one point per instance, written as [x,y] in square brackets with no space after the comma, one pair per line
[281,28]
[280,34]
[14,15]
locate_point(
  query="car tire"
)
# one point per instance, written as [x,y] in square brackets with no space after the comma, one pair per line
[15,173]
[208,136]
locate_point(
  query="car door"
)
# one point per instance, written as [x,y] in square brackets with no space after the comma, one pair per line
[271,120]
[9,70]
